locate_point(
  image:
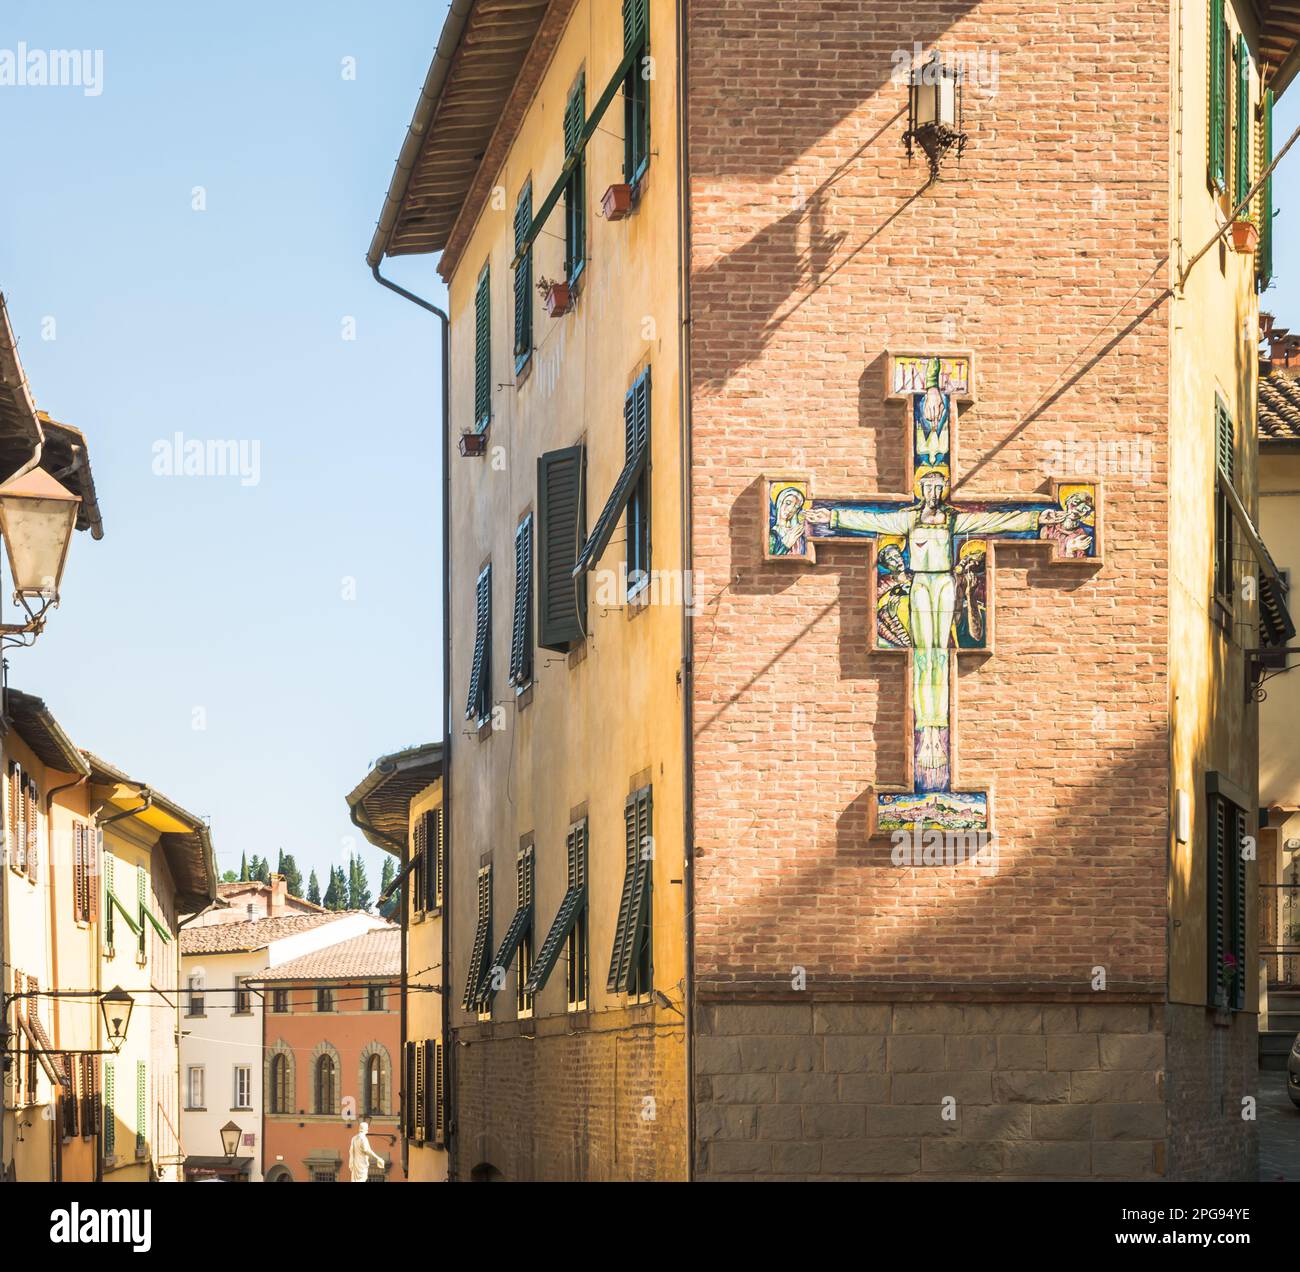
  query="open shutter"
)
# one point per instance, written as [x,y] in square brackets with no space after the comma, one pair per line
[1243,130]
[141,1108]
[574,899]
[561,527]
[521,645]
[437,859]
[1264,258]
[523,277]
[439,1097]
[633,908]
[1216,897]
[110,1109]
[483,350]
[79,872]
[429,1103]
[482,940]
[1238,935]
[1218,105]
[408,1092]
[481,671]
[420,864]
[31,827]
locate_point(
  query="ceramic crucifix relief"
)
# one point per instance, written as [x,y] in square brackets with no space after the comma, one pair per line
[934,573]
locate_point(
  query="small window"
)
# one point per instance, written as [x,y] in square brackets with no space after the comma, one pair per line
[478,706]
[483,351]
[575,973]
[243,1000]
[1226,901]
[280,1001]
[575,188]
[196,1003]
[375,998]
[374,1087]
[194,1087]
[243,1086]
[324,999]
[326,1085]
[324,1175]
[636,90]
[280,1083]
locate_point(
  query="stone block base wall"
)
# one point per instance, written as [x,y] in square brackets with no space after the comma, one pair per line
[1212,1067]
[592,1097]
[931,1090]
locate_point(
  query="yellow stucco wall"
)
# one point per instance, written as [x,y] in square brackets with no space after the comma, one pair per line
[1279,512]
[424,967]
[1214,326]
[601,722]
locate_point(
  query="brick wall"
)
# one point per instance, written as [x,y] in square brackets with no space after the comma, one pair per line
[574,1103]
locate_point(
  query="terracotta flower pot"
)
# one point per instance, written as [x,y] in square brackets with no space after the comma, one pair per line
[473,444]
[559,300]
[617,202]
[1245,236]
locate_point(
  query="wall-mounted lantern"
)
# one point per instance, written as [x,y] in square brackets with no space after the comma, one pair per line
[934,113]
[116,1008]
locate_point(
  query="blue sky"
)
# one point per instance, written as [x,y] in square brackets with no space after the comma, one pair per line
[207,595]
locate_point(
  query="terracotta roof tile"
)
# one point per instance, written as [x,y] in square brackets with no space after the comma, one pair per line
[375,953]
[1279,408]
[256,934]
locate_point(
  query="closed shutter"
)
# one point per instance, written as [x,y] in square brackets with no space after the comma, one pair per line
[33,830]
[429,1111]
[523,277]
[632,929]
[1238,862]
[420,1090]
[636,438]
[482,940]
[12,844]
[483,350]
[561,528]
[1218,109]
[521,644]
[436,858]
[420,867]
[575,897]
[477,706]
[1242,134]
[1264,259]
[141,1108]
[575,116]
[408,1092]
[68,1095]
[141,886]
[90,1120]
[110,1109]
[439,1097]
[1216,896]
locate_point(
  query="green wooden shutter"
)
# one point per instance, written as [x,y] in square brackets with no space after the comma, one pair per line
[575,116]
[561,528]
[438,852]
[636,22]
[1243,122]
[1238,862]
[1215,895]
[141,1107]
[140,888]
[110,1109]
[523,278]
[482,940]
[1264,259]
[1225,447]
[521,645]
[636,90]
[632,929]
[483,350]
[575,190]
[570,907]
[108,905]
[478,704]
[1218,106]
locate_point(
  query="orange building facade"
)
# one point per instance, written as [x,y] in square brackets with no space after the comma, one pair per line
[332,1048]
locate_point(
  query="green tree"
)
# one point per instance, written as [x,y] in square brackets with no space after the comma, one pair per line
[292,875]
[279,863]
[313,889]
[243,868]
[358,885]
[388,874]
[336,895]
[230,877]
[264,870]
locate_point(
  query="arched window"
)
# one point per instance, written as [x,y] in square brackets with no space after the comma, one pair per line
[326,1084]
[374,1086]
[280,1083]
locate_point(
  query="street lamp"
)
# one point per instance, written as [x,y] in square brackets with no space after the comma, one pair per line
[230,1137]
[934,112]
[37,518]
[116,1008]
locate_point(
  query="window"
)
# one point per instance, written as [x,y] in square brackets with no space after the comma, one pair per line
[243,1000]
[1225,473]
[84,900]
[478,978]
[520,929]
[194,1087]
[280,1083]
[483,350]
[575,189]
[636,89]
[326,1085]
[568,929]
[521,635]
[375,998]
[636,449]
[413,1093]
[374,1086]
[196,1005]
[524,883]
[427,870]
[141,1107]
[630,961]
[110,1109]
[1241,125]
[324,999]
[437,858]
[523,278]
[561,527]
[243,1086]
[324,1174]
[16,827]
[1226,897]
[1218,110]
[478,707]
[280,1001]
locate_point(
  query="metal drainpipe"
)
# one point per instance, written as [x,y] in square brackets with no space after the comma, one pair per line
[688,662]
[448,1050]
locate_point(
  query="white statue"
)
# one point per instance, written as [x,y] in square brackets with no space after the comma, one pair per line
[360,1155]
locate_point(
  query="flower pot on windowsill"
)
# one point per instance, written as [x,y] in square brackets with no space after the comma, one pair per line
[617,202]
[1245,236]
[559,299]
[472,445]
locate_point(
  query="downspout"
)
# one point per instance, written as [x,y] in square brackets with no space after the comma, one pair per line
[403,849]
[448,856]
[688,680]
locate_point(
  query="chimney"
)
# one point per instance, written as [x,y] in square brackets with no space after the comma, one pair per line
[250,910]
[275,903]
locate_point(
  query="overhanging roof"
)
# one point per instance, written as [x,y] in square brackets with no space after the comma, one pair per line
[34,723]
[461,128]
[185,839]
[1279,28]
[381,801]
